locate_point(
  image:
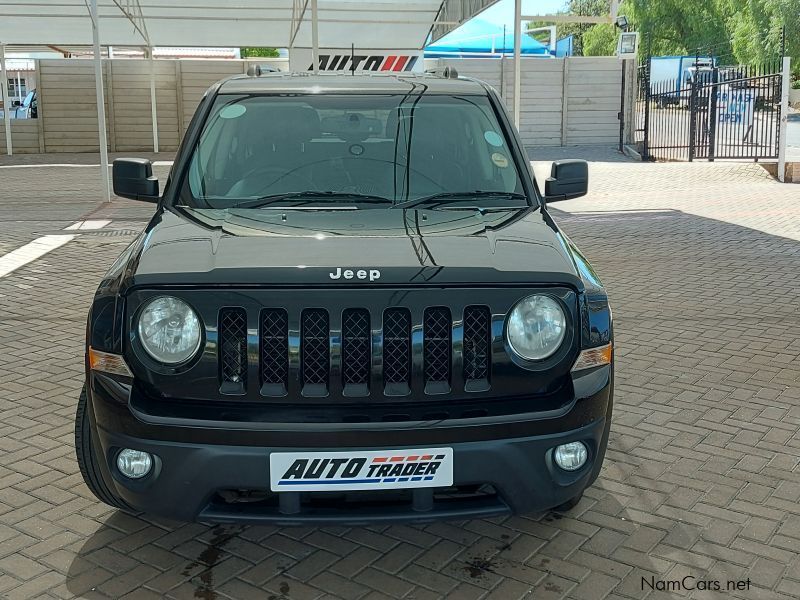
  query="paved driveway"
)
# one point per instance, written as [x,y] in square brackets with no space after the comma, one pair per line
[703,266]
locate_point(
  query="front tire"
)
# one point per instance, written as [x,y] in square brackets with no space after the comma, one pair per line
[85,452]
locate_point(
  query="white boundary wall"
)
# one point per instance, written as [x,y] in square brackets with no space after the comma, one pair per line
[564,101]
[68,110]
[24,134]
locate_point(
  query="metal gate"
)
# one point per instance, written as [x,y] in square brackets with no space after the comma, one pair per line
[710,112]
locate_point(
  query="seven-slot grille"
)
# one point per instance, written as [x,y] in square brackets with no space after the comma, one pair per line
[354,363]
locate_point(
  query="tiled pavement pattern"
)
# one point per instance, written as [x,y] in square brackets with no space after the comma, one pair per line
[702,477]
[37,200]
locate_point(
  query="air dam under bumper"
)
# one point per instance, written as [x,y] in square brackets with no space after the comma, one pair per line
[187,477]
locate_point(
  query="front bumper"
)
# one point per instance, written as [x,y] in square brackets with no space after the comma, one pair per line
[511,459]
[187,477]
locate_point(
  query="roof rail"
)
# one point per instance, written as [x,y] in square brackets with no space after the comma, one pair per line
[257,70]
[446,72]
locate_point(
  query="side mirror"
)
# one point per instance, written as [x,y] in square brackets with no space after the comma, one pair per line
[133,178]
[16,103]
[568,179]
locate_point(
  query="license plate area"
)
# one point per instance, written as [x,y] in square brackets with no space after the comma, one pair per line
[361,470]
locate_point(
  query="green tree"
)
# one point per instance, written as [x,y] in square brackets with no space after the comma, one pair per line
[756,30]
[258,52]
[600,40]
[737,31]
[681,26]
[591,8]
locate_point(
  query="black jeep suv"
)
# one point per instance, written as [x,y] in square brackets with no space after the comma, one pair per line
[350,306]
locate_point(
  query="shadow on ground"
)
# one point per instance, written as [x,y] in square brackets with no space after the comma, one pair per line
[201,561]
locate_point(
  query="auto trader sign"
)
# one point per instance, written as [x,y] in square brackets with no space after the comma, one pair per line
[360,59]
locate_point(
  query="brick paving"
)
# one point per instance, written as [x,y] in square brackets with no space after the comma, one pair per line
[702,477]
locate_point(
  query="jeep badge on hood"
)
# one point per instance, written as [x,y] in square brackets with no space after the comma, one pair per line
[372,274]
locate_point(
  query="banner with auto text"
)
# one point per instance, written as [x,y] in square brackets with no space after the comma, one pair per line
[359,60]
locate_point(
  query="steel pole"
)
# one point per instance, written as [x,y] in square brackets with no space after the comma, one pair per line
[315,35]
[517,54]
[712,114]
[647,93]
[153,104]
[6,100]
[503,66]
[622,108]
[101,103]
[786,76]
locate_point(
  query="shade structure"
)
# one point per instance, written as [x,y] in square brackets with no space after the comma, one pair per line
[478,36]
[234,23]
[373,24]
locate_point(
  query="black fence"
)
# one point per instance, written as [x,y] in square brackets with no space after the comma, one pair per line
[709,111]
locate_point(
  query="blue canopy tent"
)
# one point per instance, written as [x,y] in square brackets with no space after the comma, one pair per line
[479,37]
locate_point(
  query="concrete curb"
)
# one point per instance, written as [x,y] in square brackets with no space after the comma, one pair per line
[629,150]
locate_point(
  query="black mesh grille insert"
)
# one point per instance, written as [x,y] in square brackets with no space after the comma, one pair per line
[314,350]
[410,350]
[436,328]
[356,346]
[477,337]
[397,349]
[274,351]
[233,350]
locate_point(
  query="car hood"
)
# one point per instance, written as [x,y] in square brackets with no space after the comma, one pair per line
[303,247]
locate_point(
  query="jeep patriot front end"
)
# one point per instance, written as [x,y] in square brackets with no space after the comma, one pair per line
[350,306]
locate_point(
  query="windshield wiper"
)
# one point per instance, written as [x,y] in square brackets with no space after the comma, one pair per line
[311,195]
[443,197]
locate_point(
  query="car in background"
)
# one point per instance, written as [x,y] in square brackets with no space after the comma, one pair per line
[28,108]
[671,77]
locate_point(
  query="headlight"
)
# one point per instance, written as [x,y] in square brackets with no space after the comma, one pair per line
[536,327]
[169,330]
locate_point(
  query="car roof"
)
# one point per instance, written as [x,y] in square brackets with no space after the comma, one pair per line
[345,82]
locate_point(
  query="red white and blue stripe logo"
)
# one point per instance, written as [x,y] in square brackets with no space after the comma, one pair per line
[366,62]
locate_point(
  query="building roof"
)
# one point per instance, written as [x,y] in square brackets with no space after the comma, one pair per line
[281,82]
[20,64]
[234,23]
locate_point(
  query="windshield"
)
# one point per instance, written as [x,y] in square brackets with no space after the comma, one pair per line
[371,151]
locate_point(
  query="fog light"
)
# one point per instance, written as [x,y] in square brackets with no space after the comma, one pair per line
[572,456]
[134,464]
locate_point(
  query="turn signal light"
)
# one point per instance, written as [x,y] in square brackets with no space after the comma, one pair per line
[108,363]
[593,357]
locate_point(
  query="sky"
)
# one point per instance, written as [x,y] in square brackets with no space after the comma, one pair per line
[502,13]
